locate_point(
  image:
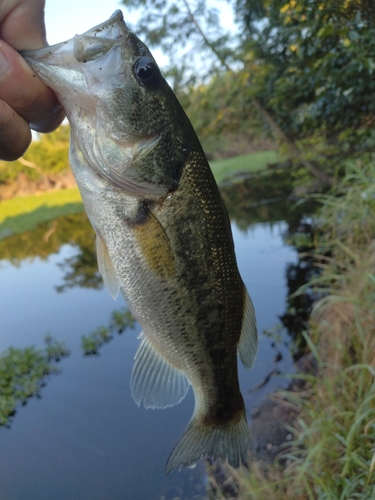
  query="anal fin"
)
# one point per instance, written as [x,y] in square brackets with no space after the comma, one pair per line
[248,344]
[155,380]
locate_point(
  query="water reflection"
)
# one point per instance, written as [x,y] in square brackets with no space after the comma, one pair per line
[120,320]
[263,198]
[23,373]
[88,439]
[80,268]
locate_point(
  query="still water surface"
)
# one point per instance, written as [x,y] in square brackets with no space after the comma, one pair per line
[86,438]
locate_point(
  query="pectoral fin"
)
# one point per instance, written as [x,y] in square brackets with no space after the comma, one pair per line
[106,267]
[155,245]
[155,380]
[248,345]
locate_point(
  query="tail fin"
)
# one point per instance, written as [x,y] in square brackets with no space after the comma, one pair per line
[225,442]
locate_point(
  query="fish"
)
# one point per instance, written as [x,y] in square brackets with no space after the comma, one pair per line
[163,235]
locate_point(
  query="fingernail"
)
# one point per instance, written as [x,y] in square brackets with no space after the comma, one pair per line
[4,66]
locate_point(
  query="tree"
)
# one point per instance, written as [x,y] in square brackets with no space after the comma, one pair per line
[46,156]
[321,62]
[304,62]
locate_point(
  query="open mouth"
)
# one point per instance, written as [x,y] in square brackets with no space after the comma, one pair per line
[89,46]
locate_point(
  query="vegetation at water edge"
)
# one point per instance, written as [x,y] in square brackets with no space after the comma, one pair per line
[332,454]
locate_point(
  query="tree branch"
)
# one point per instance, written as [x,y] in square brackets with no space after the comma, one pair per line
[277,131]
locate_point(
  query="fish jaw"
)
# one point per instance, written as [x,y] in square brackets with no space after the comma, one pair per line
[60,66]
[94,78]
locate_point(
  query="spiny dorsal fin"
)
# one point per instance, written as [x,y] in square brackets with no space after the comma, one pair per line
[106,268]
[248,344]
[155,380]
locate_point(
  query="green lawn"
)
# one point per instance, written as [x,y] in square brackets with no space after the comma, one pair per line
[24,213]
[21,214]
[223,169]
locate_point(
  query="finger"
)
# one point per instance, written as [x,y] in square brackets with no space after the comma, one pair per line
[22,90]
[22,23]
[15,134]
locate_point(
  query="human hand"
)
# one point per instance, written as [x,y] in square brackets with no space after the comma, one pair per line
[25,102]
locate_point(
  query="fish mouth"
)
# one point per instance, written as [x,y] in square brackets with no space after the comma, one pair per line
[91,45]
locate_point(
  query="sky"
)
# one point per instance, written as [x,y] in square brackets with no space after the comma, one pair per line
[71,17]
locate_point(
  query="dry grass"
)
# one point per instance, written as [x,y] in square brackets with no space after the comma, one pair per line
[333,455]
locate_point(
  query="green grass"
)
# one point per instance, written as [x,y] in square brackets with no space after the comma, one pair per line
[21,214]
[333,455]
[222,169]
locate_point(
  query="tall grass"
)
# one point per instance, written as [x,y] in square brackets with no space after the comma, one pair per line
[333,455]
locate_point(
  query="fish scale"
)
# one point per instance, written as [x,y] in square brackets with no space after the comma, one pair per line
[163,234]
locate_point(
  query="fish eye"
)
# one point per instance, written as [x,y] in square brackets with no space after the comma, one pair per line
[146,71]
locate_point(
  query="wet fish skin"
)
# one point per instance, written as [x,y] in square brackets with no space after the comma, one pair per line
[163,234]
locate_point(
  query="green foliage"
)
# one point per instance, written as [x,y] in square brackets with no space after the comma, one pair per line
[23,373]
[48,155]
[219,106]
[319,58]
[308,64]
[332,456]
[120,320]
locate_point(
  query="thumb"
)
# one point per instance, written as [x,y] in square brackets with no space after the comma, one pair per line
[22,23]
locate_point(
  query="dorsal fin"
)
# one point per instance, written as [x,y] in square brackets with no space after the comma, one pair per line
[106,268]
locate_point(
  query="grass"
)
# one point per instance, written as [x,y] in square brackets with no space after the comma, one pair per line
[21,214]
[334,450]
[253,162]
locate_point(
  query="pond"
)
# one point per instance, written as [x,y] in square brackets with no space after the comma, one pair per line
[85,438]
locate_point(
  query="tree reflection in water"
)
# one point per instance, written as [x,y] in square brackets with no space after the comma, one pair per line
[79,270]
[24,372]
[120,320]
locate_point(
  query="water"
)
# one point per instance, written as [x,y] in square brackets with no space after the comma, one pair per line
[86,438]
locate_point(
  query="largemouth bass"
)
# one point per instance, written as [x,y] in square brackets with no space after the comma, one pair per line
[163,233]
